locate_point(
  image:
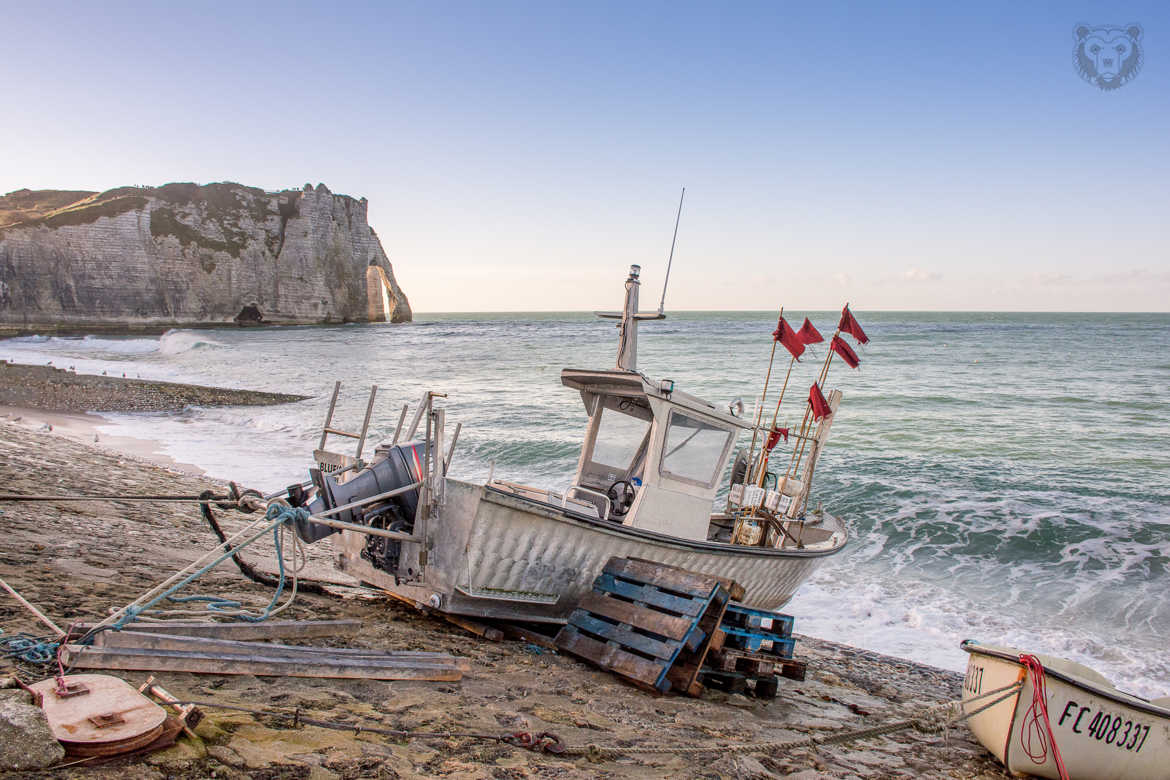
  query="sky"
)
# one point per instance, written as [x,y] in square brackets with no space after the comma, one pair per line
[521,155]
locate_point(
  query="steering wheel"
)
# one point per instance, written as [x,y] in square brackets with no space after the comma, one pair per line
[621,496]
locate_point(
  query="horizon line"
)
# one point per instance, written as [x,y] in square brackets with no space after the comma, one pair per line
[769,311]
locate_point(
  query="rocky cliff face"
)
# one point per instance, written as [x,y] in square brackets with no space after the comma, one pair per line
[189,255]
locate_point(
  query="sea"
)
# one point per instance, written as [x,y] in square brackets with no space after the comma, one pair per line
[1004,476]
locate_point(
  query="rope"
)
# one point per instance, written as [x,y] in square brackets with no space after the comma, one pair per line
[545,742]
[929,721]
[246,568]
[231,607]
[181,578]
[1032,732]
[115,497]
[28,648]
[278,514]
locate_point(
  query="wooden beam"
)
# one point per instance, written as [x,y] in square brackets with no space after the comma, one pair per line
[82,657]
[271,629]
[138,640]
[479,629]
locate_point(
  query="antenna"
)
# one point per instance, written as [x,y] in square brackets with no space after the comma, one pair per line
[662,303]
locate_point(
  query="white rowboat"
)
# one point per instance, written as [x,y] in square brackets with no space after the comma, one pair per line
[1100,733]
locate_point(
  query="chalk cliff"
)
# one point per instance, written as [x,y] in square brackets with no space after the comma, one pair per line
[189,255]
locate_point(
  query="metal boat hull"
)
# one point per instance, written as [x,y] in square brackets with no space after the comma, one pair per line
[494,555]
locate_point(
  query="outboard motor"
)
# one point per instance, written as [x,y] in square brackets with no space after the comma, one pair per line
[392,467]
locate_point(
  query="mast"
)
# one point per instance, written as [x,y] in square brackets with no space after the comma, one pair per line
[627,356]
[670,259]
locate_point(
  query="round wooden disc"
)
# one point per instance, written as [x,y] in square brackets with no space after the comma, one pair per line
[110,717]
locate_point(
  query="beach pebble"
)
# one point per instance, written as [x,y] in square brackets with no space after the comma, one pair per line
[25,740]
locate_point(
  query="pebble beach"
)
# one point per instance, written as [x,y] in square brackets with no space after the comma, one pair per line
[77,560]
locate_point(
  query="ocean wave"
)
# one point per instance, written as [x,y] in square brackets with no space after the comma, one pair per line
[173,342]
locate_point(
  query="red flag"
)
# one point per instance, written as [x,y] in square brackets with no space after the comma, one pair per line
[842,348]
[787,336]
[808,334]
[852,326]
[774,438]
[820,407]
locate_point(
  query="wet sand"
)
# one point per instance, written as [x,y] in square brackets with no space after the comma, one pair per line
[77,560]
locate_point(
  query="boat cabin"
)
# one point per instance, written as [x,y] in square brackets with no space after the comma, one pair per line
[653,456]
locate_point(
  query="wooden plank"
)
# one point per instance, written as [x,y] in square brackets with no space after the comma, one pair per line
[623,635]
[759,620]
[271,629]
[736,590]
[522,634]
[649,594]
[144,641]
[717,637]
[668,577]
[660,623]
[684,675]
[737,661]
[640,671]
[479,629]
[209,663]
[762,643]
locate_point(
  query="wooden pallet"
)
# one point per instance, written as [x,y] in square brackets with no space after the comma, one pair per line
[736,682]
[729,659]
[647,622]
[758,630]
[754,642]
[758,620]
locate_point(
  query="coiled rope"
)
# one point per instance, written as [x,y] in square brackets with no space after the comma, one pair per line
[1035,729]
[28,648]
[205,501]
[278,513]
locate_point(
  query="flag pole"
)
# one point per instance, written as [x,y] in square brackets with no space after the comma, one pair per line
[759,409]
[764,453]
[798,454]
[797,457]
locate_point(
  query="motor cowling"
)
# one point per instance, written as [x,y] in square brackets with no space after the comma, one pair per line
[393,467]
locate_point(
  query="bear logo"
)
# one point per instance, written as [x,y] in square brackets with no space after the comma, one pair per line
[1107,56]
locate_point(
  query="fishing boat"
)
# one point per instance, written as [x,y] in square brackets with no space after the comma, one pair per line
[1040,715]
[651,462]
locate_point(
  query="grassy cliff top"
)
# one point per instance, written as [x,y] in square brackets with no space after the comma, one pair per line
[57,208]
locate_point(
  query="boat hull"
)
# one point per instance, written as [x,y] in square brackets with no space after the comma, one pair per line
[1100,732]
[494,555]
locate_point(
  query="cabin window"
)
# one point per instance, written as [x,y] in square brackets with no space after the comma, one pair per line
[619,435]
[693,450]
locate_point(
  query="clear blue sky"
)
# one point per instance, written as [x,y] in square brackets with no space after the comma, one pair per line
[521,155]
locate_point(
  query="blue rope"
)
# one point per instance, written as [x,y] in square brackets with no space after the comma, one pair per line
[27,647]
[278,514]
[222,604]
